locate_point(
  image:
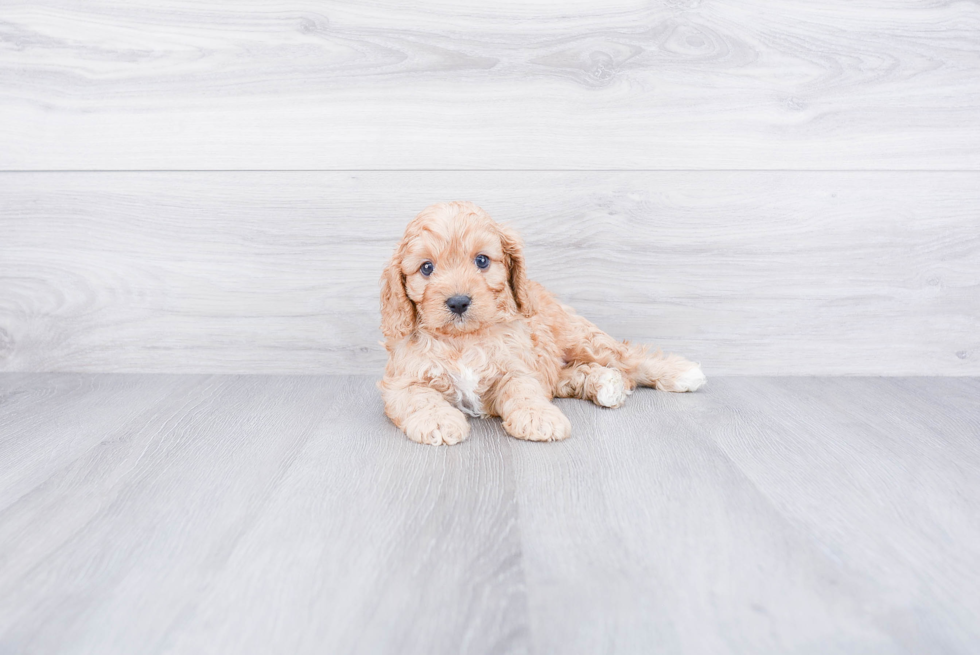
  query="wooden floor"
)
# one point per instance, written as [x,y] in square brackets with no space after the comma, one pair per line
[237,514]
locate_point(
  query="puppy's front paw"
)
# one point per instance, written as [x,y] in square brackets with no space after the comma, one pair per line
[437,427]
[543,422]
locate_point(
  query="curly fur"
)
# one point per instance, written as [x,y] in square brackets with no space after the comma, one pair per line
[513,350]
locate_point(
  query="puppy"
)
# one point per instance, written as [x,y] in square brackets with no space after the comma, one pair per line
[468,334]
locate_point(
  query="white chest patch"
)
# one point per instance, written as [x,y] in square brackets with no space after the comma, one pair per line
[467,399]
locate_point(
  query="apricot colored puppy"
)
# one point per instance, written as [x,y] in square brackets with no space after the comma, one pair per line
[468,333]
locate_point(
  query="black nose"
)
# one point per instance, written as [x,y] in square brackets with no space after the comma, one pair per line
[458,303]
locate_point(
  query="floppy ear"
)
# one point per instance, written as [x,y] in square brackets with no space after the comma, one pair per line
[397,311]
[513,249]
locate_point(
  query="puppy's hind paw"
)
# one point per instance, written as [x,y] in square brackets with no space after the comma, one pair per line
[610,388]
[438,428]
[543,422]
[690,380]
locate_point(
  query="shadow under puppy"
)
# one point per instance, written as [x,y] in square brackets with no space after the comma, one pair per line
[468,333]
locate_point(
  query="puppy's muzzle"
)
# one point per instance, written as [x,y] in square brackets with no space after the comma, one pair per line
[458,304]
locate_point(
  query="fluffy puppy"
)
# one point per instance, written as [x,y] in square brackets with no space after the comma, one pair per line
[468,333]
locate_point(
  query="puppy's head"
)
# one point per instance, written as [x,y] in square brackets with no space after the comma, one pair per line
[455,271]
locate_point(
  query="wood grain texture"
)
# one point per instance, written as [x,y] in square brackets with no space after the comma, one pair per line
[671,84]
[791,514]
[250,515]
[897,510]
[257,514]
[748,272]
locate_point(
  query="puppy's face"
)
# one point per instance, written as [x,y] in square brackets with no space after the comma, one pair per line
[457,269]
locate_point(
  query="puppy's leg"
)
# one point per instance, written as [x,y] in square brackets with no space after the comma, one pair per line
[664,372]
[585,344]
[425,416]
[527,411]
[603,385]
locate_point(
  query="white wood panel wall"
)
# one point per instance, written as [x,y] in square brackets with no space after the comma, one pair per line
[748,272]
[788,188]
[430,84]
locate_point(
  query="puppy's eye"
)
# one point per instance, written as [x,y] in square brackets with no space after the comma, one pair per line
[426,269]
[482,261]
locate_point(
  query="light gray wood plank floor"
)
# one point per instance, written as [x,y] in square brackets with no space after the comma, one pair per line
[258,514]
